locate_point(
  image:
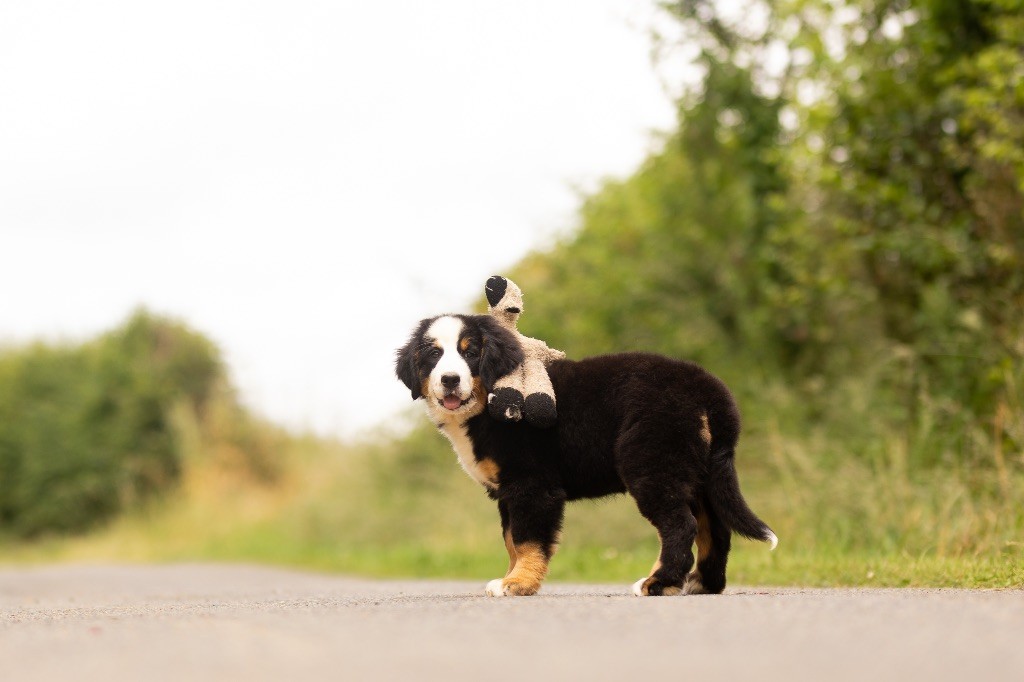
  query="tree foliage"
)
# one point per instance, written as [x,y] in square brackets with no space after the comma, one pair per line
[86,431]
[841,203]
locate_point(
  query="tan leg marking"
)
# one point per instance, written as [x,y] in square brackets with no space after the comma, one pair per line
[489,469]
[556,543]
[693,584]
[530,569]
[703,535]
[657,562]
[705,429]
[511,549]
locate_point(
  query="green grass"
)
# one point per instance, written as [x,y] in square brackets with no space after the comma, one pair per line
[603,542]
[579,559]
[401,507]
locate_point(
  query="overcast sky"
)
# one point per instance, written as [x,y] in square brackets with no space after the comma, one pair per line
[302,181]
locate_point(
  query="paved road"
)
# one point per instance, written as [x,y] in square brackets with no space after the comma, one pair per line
[252,623]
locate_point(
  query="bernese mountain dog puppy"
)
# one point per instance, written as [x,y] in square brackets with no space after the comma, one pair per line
[662,430]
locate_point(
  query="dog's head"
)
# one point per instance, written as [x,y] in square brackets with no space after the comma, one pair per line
[453,361]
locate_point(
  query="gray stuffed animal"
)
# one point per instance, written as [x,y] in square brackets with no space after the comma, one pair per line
[526,391]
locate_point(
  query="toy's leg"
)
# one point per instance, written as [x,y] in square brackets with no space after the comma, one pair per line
[540,411]
[506,401]
[539,408]
[506,404]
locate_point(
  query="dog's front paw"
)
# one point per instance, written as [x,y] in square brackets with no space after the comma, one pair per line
[652,587]
[510,588]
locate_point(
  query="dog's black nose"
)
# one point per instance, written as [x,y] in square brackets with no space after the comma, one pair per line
[450,380]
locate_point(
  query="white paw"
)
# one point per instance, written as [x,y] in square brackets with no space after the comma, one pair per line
[638,587]
[495,589]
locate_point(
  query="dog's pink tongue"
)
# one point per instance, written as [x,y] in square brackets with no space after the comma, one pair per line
[452,402]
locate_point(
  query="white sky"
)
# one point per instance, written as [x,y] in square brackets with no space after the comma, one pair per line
[302,181]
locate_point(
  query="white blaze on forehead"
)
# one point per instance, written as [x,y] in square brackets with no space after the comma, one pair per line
[444,332]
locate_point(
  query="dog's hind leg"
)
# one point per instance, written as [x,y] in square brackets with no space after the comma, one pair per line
[656,468]
[663,504]
[713,543]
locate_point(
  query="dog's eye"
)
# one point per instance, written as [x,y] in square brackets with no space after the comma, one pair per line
[434,353]
[471,352]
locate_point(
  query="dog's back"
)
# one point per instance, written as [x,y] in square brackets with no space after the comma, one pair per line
[607,402]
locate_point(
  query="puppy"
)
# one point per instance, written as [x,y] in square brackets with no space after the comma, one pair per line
[662,430]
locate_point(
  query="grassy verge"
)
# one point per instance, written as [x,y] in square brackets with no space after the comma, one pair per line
[401,507]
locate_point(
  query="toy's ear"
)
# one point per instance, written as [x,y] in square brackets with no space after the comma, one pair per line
[405,363]
[495,289]
[501,354]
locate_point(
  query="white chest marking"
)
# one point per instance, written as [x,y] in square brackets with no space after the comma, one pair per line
[463,446]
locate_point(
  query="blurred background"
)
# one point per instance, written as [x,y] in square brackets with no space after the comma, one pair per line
[219,220]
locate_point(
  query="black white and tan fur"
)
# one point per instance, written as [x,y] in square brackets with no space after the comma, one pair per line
[662,430]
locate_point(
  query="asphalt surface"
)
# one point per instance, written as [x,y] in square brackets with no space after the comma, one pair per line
[217,622]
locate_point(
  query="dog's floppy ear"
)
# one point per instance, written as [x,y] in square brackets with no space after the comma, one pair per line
[501,354]
[405,362]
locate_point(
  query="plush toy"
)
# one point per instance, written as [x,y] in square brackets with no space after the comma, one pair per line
[527,391]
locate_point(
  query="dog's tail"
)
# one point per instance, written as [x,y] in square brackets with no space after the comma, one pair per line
[727,501]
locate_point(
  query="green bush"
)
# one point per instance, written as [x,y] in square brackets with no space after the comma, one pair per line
[874,241]
[86,431]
